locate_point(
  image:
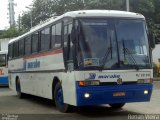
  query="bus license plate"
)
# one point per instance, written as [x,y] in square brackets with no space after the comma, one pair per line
[116,94]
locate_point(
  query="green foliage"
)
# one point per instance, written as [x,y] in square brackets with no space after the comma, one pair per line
[11,32]
[25,21]
[44,9]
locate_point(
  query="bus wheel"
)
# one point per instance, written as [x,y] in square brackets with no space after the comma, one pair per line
[117,105]
[58,97]
[18,89]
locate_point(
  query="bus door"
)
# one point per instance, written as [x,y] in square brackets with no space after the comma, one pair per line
[68,46]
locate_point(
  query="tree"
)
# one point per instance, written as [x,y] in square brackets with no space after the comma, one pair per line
[11,32]
[25,21]
[44,9]
[106,4]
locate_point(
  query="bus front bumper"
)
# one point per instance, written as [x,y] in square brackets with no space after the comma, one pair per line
[96,95]
[3,81]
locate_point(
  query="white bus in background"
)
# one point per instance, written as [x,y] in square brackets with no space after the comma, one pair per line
[81,58]
[4,43]
[3,68]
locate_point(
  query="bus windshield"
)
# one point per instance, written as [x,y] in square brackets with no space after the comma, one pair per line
[113,44]
[2,60]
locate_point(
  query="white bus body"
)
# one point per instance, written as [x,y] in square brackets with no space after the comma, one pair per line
[51,72]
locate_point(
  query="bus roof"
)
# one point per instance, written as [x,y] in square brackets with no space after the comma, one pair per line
[83,13]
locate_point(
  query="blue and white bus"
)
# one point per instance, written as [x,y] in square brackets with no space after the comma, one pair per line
[82,58]
[3,68]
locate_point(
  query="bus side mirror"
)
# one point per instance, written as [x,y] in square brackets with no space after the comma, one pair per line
[151,38]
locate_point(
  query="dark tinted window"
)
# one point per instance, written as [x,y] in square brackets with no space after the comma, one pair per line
[53,37]
[10,51]
[21,47]
[2,60]
[58,35]
[15,49]
[67,42]
[45,39]
[67,32]
[27,45]
[65,35]
[35,42]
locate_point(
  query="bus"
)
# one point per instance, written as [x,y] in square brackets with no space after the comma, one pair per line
[84,58]
[3,68]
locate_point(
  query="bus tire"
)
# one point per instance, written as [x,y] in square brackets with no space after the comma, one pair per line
[18,89]
[117,105]
[58,97]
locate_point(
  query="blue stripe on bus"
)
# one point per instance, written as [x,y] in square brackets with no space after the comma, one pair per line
[3,80]
[104,94]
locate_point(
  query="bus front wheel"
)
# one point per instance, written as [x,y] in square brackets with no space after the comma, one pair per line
[117,105]
[58,97]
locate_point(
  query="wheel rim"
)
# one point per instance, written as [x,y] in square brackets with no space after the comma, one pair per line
[59,98]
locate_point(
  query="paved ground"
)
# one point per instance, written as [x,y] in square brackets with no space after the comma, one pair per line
[34,108]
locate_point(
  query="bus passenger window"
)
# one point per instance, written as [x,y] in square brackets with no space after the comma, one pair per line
[21,47]
[2,60]
[53,37]
[15,52]
[58,35]
[10,51]
[28,45]
[45,39]
[35,42]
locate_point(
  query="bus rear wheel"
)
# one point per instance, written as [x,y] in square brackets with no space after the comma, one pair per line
[117,105]
[59,102]
[18,89]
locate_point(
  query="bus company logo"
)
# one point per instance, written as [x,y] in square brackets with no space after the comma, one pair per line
[33,64]
[108,76]
[92,76]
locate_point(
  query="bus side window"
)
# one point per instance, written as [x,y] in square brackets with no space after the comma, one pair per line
[53,36]
[21,47]
[45,39]
[58,35]
[35,42]
[10,51]
[28,45]
[15,50]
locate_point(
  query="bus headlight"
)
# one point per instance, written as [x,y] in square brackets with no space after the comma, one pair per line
[89,82]
[145,92]
[86,95]
[143,81]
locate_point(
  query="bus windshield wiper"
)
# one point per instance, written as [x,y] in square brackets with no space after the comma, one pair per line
[105,58]
[126,51]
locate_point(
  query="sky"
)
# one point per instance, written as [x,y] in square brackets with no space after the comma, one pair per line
[19,8]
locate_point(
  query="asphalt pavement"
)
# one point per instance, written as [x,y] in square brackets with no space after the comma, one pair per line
[35,108]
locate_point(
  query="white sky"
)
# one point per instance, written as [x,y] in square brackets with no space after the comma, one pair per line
[21,4]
